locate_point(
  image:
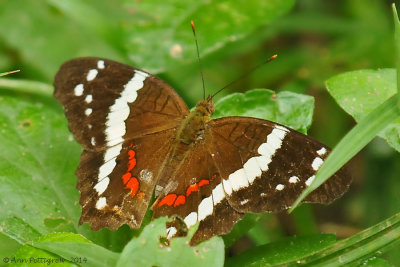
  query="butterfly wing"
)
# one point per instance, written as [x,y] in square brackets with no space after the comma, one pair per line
[125,119]
[266,166]
[198,196]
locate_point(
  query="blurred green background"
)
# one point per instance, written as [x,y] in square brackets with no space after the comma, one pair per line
[314,39]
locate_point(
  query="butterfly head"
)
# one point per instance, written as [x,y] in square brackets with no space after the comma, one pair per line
[206,106]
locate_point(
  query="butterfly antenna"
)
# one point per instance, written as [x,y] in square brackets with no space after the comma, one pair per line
[198,57]
[9,72]
[245,74]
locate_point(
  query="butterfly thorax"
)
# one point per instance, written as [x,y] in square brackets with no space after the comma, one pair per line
[193,126]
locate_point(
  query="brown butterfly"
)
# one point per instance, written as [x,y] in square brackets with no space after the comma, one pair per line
[139,139]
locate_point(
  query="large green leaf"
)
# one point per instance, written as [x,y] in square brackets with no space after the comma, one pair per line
[286,250]
[146,250]
[357,249]
[32,140]
[38,32]
[161,36]
[287,108]
[75,249]
[360,92]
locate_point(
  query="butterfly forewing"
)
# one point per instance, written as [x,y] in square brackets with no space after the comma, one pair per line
[106,101]
[125,119]
[121,193]
[266,166]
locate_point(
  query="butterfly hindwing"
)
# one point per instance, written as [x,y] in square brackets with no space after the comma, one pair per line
[266,166]
[195,193]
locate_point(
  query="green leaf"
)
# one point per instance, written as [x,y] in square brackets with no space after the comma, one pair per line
[27,86]
[77,249]
[376,262]
[15,228]
[397,48]
[43,37]
[360,92]
[287,108]
[286,250]
[31,256]
[8,247]
[147,251]
[32,138]
[360,247]
[226,21]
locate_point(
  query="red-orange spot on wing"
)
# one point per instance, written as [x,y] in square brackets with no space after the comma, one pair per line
[168,200]
[131,164]
[133,185]
[126,177]
[192,188]
[180,200]
[203,183]
[131,154]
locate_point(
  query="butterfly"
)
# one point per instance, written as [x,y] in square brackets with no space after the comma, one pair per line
[141,141]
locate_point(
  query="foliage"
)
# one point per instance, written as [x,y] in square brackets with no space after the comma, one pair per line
[315,41]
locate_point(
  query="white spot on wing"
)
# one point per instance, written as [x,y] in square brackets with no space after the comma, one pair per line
[205,208]
[100,64]
[101,203]
[218,194]
[238,179]
[91,75]
[280,187]
[101,186]
[244,201]
[252,169]
[78,90]
[294,179]
[112,152]
[106,169]
[89,99]
[254,166]
[227,186]
[88,111]
[93,141]
[322,151]
[317,163]
[191,219]
[171,231]
[263,162]
[310,180]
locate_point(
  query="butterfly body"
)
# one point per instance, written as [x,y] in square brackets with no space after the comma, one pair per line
[140,139]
